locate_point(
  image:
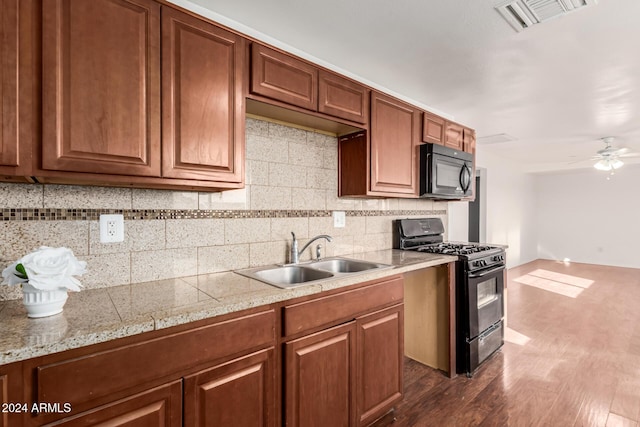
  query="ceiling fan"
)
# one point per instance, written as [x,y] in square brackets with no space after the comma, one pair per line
[609,158]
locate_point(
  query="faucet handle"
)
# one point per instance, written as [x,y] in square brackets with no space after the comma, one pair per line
[293,235]
[318,252]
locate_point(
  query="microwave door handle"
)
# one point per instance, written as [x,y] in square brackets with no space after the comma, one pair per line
[465,177]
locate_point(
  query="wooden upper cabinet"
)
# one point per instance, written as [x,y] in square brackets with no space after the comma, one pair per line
[433,128]
[9,83]
[202,100]
[469,140]
[393,146]
[453,137]
[283,78]
[9,69]
[437,130]
[101,86]
[340,97]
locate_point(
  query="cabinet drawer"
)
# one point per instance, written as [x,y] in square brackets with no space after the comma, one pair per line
[161,406]
[100,374]
[284,78]
[340,307]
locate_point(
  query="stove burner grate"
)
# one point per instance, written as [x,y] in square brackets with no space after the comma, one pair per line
[454,248]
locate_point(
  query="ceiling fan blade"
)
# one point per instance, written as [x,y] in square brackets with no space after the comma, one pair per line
[580,161]
[629,155]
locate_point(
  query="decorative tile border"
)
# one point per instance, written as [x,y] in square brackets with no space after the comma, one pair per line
[31,214]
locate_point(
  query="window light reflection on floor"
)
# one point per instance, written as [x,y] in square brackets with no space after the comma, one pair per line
[515,337]
[562,284]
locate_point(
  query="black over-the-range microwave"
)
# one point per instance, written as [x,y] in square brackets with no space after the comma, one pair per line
[445,173]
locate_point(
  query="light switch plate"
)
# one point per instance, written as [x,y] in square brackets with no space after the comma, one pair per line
[111,228]
[339,219]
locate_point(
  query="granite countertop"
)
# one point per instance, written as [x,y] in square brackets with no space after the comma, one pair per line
[99,315]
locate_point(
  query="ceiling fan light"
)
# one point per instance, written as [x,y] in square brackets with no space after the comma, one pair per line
[617,163]
[603,165]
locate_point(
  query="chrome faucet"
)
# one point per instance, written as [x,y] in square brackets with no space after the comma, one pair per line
[295,254]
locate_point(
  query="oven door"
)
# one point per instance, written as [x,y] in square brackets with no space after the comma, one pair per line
[484,300]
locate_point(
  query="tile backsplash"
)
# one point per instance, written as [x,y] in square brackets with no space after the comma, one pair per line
[291,185]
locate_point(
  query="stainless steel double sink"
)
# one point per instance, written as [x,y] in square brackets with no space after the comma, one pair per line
[292,275]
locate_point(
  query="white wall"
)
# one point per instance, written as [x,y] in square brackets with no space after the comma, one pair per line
[510,208]
[458,222]
[585,217]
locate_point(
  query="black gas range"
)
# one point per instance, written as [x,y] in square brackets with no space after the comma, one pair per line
[426,235]
[479,287]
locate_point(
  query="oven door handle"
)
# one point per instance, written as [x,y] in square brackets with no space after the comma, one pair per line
[486,272]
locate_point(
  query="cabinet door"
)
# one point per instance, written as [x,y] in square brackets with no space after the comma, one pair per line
[238,393]
[433,128]
[12,392]
[9,150]
[380,359]
[283,78]
[393,146]
[342,98]
[319,373]
[101,86]
[202,100]
[161,406]
[469,140]
[453,137]
[4,398]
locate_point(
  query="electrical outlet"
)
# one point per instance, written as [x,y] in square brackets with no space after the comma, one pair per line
[111,228]
[339,219]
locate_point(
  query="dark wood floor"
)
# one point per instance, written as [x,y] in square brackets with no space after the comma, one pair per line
[567,361]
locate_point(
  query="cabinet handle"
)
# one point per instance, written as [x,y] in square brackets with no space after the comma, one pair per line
[465,177]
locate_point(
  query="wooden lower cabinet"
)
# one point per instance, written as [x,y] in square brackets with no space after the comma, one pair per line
[238,393]
[161,406]
[319,377]
[139,380]
[337,362]
[380,351]
[10,394]
[4,398]
[349,374]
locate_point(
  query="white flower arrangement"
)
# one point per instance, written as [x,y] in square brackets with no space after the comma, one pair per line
[46,269]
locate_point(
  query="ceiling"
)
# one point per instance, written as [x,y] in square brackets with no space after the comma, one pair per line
[557,87]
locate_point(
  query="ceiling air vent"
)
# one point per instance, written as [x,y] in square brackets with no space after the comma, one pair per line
[522,14]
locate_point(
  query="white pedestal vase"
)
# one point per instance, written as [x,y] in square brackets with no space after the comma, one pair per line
[41,303]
